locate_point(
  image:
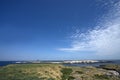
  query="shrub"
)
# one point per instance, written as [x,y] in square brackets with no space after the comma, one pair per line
[101,76]
[71,78]
[66,72]
[79,72]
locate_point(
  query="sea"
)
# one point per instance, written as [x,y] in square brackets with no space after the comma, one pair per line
[4,63]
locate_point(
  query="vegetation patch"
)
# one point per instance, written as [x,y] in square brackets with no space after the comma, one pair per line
[71,78]
[31,72]
[101,77]
[66,73]
[79,72]
[111,67]
[57,72]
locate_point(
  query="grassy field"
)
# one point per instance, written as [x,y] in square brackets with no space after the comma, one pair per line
[57,72]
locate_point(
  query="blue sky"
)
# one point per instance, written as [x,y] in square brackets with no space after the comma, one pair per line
[58,29]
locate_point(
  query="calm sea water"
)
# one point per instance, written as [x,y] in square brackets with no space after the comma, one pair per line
[4,63]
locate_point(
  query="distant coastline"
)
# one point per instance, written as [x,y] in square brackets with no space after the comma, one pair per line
[64,62]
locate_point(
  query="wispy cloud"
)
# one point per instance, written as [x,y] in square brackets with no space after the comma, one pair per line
[104,40]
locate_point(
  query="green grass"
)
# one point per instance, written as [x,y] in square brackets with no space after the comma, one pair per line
[111,67]
[79,72]
[102,77]
[56,72]
[66,73]
[31,72]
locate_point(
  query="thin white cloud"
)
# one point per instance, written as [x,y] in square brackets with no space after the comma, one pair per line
[104,40]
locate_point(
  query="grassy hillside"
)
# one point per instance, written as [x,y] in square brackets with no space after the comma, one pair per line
[54,72]
[111,67]
[31,72]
